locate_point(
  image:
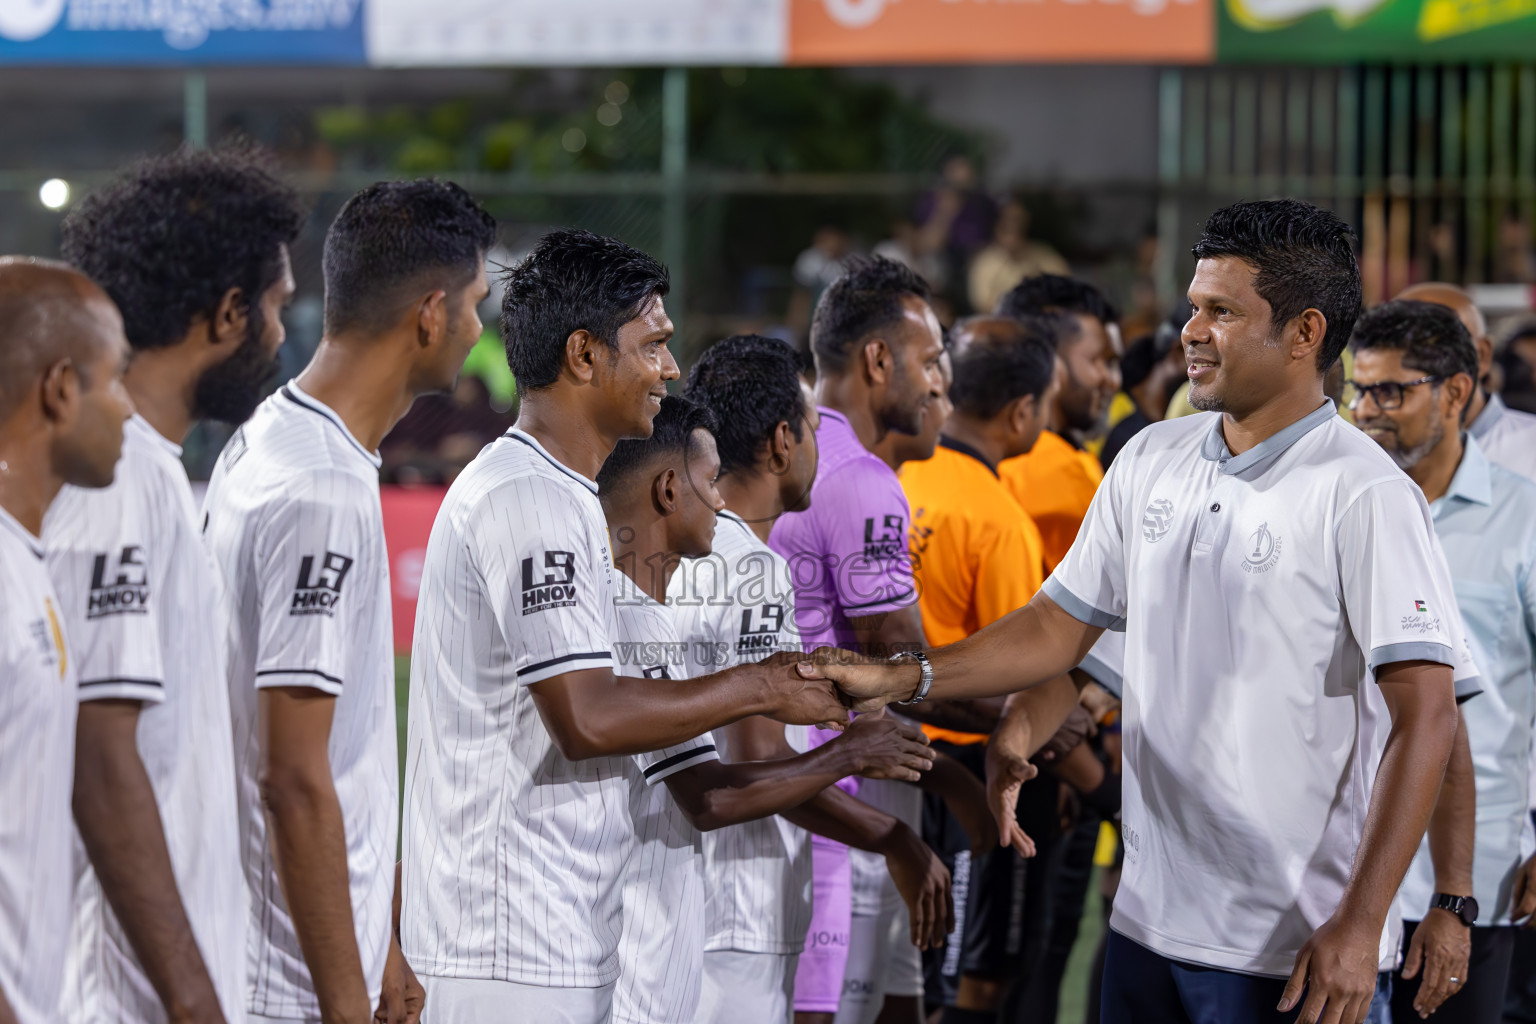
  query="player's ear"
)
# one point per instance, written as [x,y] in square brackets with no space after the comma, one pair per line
[61,387]
[664,491]
[431,319]
[879,360]
[231,321]
[779,447]
[581,355]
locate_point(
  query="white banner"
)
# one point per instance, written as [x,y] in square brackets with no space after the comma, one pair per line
[523,32]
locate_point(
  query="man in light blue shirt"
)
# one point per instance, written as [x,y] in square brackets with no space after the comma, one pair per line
[1415,367]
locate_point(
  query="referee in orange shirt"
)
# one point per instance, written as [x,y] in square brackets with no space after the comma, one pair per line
[978,556]
[1056,479]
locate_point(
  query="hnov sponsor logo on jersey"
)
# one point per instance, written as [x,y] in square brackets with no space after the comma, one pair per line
[554,587]
[888,543]
[119,585]
[318,589]
[760,627]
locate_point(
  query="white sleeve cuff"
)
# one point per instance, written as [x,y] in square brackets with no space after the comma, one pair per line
[551,667]
[676,762]
[149,691]
[308,678]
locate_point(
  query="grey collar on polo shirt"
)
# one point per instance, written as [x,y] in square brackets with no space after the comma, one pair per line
[1215,445]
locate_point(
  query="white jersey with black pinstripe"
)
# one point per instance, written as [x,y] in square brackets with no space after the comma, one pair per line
[292,518]
[661,953]
[142,605]
[513,855]
[735,606]
[37,773]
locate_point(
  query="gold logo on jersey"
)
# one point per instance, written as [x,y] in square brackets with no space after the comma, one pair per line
[57,635]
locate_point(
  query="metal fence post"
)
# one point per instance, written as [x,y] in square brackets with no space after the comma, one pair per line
[1169,139]
[194,109]
[674,173]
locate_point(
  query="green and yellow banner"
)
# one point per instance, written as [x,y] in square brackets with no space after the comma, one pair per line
[1339,31]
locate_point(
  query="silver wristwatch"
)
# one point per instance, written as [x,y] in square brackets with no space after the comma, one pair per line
[926,683]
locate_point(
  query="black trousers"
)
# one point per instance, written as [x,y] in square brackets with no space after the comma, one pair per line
[1481,999]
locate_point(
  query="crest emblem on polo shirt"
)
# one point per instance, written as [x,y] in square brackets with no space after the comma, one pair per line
[1263,550]
[1157,520]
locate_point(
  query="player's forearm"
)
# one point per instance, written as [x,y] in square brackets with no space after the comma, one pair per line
[631,715]
[976,716]
[120,827]
[1453,824]
[1407,785]
[746,791]
[1023,649]
[1031,717]
[6,1014]
[833,814]
[309,848]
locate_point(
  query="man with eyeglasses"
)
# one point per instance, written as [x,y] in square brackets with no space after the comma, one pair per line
[1415,374]
[1507,436]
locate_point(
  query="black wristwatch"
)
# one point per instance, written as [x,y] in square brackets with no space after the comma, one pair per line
[1464,907]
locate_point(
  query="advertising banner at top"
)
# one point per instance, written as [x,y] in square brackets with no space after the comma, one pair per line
[575,32]
[1336,31]
[181,32]
[446,33]
[959,31]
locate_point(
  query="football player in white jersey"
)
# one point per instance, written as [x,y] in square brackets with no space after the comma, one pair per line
[1290,637]
[193,249]
[516,807]
[660,501]
[62,410]
[734,605]
[293,519]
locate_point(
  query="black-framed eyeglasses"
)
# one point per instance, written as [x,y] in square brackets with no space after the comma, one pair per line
[1387,395]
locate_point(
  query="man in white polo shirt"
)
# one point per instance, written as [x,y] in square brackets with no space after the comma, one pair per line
[1415,370]
[1290,634]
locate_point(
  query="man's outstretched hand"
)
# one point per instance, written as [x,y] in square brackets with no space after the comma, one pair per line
[1008,768]
[867,684]
[799,694]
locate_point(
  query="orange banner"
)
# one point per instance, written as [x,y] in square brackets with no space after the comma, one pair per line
[996,31]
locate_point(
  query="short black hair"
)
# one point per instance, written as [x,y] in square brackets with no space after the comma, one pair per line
[398,234]
[1431,337]
[1303,257]
[1054,294]
[751,384]
[171,235]
[866,299]
[671,434]
[572,281]
[1015,359]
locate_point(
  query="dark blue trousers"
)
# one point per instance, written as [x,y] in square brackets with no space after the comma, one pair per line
[1143,987]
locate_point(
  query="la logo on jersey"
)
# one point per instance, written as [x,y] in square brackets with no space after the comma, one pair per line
[319,587]
[1263,550]
[887,543]
[554,586]
[119,584]
[760,629]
